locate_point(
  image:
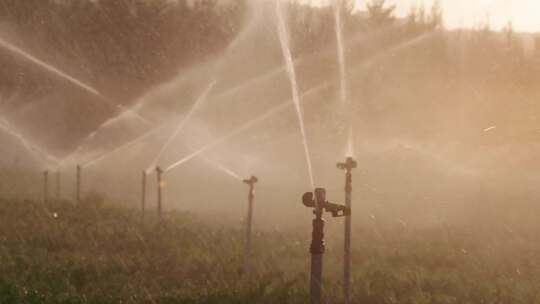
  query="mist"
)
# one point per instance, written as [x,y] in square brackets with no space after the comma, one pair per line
[441,120]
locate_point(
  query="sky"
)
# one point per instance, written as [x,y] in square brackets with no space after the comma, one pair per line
[524,14]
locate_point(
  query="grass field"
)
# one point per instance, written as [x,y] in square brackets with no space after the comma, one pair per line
[101,254]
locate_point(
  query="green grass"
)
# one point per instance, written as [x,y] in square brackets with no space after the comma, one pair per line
[101,254]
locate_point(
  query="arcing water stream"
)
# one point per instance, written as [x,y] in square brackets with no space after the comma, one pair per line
[341,51]
[266,76]
[126,145]
[20,52]
[244,127]
[284,39]
[27,144]
[285,105]
[222,168]
[183,123]
[10,47]
[345,104]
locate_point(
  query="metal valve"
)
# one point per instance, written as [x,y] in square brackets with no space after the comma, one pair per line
[320,202]
[349,164]
[250,181]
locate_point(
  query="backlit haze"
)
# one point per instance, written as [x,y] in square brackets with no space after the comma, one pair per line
[473,13]
[167,151]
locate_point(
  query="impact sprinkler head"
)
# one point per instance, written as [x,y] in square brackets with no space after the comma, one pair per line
[250,181]
[307,200]
[159,170]
[320,198]
[320,202]
[349,164]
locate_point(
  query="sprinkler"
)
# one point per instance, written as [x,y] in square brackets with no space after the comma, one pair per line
[251,195]
[143,196]
[348,165]
[58,193]
[78,185]
[320,205]
[46,186]
[159,172]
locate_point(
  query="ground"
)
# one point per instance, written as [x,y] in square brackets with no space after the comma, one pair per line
[59,253]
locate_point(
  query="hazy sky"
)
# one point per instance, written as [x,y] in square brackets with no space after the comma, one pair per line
[525,14]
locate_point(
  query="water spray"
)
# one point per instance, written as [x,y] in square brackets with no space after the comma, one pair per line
[341,50]
[159,172]
[16,50]
[183,122]
[278,109]
[147,134]
[276,71]
[270,113]
[348,165]
[391,51]
[251,195]
[31,147]
[48,67]
[350,143]
[285,47]
[317,247]
[125,145]
[221,168]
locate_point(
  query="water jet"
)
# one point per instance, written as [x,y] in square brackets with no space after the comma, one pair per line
[221,168]
[52,69]
[28,145]
[278,109]
[284,39]
[183,122]
[126,145]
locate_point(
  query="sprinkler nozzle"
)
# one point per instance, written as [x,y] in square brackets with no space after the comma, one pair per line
[159,170]
[307,200]
[320,201]
[337,210]
[252,180]
[349,164]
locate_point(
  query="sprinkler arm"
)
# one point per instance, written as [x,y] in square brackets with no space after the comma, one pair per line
[348,165]
[251,181]
[335,209]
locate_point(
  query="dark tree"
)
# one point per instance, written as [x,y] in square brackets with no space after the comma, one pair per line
[379,14]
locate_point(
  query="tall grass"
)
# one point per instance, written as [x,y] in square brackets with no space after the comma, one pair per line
[95,253]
